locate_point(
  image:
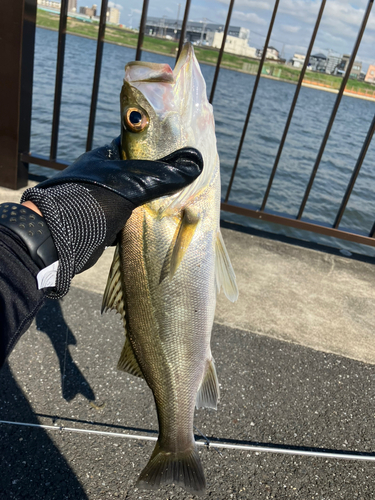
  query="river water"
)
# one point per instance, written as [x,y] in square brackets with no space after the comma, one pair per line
[232,97]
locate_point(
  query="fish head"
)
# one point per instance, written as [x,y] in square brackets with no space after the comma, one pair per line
[164,110]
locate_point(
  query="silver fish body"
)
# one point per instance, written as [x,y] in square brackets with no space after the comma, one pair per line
[167,269]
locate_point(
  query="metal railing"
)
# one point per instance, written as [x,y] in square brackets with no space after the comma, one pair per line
[17,50]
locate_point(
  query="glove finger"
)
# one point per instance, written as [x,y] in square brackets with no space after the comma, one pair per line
[172,173]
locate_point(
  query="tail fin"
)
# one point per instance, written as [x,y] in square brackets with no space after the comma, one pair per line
[183,469]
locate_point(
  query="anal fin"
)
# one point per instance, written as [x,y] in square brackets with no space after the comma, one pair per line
[128,362]
[208,393]
[113,297]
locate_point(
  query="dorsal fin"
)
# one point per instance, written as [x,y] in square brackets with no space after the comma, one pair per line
[224,274]
[208,392]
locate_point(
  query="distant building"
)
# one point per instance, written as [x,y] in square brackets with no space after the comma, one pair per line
[113,15]
[272,53]
[318,62]
[370,75]
[298,60]
[50,3]
[88,11]
[356,70]
[233,44]
[196,32]
[343,66]
[332,63]
[72,5]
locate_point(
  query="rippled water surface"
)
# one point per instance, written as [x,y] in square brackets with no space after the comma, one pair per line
[232,97]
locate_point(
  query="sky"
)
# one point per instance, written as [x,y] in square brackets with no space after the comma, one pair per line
[293,25]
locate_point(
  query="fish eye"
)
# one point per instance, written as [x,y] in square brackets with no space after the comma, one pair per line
[135,120]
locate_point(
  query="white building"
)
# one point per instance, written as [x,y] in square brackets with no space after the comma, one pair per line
[113,15]
[72,6]
[272,53]
[50,3]
[298,60]
[233,44]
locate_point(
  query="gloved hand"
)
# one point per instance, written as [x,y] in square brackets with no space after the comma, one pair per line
[88,203]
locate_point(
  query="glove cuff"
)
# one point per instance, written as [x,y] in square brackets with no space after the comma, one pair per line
[33,231]
[77,224]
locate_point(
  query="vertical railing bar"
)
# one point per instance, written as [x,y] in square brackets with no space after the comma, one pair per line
[252,98]
[335,108]
[221,51]
[26,88]
[286,129]
[183,28]
[355,173]
[142,27]
[59,78]
[372,232]
[98,65]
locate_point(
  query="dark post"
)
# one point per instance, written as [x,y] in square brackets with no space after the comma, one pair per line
[221,51]
[59,78]
[255,88]
[141,30]
[183,28]
[98,65]
[17,28]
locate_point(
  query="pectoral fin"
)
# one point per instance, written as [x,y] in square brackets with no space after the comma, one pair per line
[208,392]
[180,243]
[224,274]
[127,362]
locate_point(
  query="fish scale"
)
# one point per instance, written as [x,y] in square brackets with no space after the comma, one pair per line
[171,262]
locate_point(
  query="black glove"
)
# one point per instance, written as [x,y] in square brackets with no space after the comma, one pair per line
[88,203]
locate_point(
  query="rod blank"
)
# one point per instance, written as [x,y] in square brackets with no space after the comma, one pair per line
[213,444]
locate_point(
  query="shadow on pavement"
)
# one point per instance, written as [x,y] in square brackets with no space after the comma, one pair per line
[50,320]
[31,465]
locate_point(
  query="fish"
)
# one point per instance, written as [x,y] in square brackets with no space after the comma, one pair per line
[169,264]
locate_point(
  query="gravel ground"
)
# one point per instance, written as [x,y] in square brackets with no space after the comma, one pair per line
[273,392]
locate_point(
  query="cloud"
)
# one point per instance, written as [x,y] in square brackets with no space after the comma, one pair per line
[251,4]
[116,5]
[290,28]
[249,17]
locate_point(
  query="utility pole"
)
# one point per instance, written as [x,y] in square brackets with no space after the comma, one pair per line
[203,28]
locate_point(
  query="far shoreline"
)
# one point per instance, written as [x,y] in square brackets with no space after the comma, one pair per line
[308,85]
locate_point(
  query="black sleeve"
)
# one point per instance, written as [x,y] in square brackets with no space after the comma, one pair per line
[20,299]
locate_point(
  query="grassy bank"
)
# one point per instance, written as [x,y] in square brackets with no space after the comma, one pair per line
[205,55]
